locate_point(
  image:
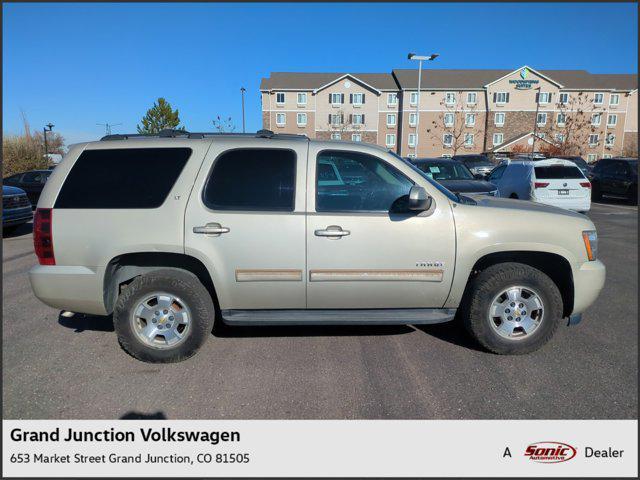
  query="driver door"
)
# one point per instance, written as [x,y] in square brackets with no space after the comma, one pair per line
[364,250]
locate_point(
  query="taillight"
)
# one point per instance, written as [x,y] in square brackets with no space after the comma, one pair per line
[43,236]
[541,184]
[585,184]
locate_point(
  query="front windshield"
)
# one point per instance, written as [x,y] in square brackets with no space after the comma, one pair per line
[445,170]
[476,160]
[440,188]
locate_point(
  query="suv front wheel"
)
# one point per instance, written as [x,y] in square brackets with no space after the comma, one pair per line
[164,316]
[513,308]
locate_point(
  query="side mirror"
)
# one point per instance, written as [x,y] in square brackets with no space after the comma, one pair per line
[419,199]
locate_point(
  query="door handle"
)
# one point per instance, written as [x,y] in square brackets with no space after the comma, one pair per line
[333,232]
[211,229]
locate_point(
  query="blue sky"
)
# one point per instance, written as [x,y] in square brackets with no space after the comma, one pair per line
[78,65]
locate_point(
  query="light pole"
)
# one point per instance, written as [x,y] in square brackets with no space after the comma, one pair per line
[242,90]
[535,125]
[420,58]
[44,132]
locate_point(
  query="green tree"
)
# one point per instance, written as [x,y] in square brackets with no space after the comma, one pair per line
[160,117]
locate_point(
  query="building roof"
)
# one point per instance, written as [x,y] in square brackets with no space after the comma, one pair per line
[312,81]
[579,79]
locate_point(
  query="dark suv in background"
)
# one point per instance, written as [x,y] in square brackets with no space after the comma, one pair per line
[479,165]
[31,182]
[616,178]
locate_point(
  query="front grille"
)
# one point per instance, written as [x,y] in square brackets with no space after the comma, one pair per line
[15,201]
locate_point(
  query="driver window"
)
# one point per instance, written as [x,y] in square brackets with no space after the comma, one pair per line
[353,181]
[497,173]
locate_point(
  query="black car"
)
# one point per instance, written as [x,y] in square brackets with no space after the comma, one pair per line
[31,182]
[477,164]
[579,161]
[616,178]
[454,176]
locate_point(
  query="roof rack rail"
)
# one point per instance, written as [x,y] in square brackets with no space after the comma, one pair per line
[172,133]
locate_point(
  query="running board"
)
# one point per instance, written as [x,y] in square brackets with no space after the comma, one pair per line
[392,316]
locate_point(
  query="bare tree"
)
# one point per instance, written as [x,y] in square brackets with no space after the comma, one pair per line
[345,124]
[459,111]
[224,125]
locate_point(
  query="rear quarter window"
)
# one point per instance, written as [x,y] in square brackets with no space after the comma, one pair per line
[560,172]
[122,178]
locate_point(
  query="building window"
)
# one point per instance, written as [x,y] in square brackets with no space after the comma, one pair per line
[592,157]
[612,120]
[564,98]
[449,119]
[280,98]
[281,119]
[596,118]
[357,119]
[390,139]
[598,98]
[302,119]
[542,135]
[614,99]
[450,98]
[302,98]
[468,139]
[446,155]
[335,119]
[392,99]
[499,119]
[336,98]
[470,119]
[541,119]
[413,119]
[561,119]
[560,137]
[391,119]
[607,155]
[336,136]
[413,98]
[498,138]
[593,139]
[544,97]
[447,139]
[356,137]
[609,140]
[500,97]
[472,97]
[412,139]
[357,99]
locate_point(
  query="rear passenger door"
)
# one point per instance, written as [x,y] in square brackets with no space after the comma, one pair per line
[245,221]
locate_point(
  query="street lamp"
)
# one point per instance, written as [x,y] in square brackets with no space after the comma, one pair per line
[44,132]
[242,90]
[420,59]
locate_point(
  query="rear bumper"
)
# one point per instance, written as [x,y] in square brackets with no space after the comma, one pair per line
[16,216]
[577,204]
[77,289]
[588,280]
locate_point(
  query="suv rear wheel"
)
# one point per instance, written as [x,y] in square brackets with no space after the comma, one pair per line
[164,316]
[513,308]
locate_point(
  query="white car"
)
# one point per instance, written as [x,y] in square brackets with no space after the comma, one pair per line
[552,181]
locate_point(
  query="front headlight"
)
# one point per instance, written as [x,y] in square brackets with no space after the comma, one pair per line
[590,238]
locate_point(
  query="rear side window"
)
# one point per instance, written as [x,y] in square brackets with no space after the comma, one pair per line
[122,178]
[560,172]
[252,179]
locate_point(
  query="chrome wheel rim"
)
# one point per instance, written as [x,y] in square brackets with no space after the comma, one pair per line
[161,320]
[516,312]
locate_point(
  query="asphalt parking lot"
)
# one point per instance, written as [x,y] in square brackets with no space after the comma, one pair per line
[58,367]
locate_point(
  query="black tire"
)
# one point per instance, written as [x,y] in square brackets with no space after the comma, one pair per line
[596,193]
[633,195]
[180,283]
[513,195]
[489,283]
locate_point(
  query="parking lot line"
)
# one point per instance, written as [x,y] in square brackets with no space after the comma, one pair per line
[614,206]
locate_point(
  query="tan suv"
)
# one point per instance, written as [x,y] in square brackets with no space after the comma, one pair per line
[170,232]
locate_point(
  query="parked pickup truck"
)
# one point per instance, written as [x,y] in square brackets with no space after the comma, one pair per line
[172,231]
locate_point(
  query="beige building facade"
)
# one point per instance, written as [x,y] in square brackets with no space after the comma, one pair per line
[570,112]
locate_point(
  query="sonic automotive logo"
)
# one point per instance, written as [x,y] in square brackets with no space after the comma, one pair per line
[550,452]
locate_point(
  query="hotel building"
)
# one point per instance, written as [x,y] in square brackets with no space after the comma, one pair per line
[460,111]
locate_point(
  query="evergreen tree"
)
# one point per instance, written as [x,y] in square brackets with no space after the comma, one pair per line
[160,117]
